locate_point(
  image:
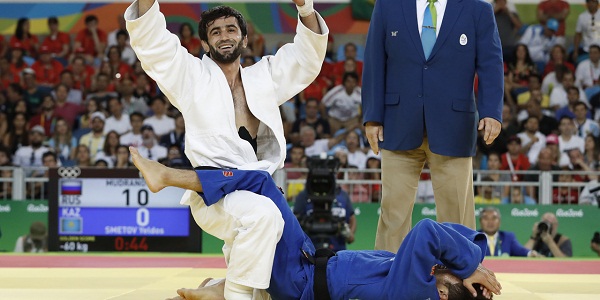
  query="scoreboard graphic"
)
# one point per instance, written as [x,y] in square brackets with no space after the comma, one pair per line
[113,210]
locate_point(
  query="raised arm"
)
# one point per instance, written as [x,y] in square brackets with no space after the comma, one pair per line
[307,15]
[144,6]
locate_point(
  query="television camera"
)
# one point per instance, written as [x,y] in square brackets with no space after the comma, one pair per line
[320,224]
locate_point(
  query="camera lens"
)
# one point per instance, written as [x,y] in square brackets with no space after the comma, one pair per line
[542,227]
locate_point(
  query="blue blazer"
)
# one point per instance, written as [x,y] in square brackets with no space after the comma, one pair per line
[507,244]
[408,94]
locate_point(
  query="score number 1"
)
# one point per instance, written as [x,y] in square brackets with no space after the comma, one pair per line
[142,215]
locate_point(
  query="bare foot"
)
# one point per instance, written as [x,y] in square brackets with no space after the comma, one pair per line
[152,171]
[203,292]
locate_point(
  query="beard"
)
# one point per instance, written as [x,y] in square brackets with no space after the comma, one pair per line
[228,57]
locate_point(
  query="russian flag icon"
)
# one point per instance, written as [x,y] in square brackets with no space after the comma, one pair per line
[70,187]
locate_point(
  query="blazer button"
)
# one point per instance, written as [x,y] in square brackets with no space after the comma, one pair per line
[425,67]
[420,95]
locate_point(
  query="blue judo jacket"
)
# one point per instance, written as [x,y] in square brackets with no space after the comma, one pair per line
[366,275]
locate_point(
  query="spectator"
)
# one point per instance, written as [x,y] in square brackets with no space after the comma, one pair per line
[350,51]
[588,70]
[160,122]
[6,186]
[94,140]
[46,118]
[118,67]
[312,119]
[47,69]
[557,10]
[485,193]
[565,194]
[176,137]
[508,23]
[546,240]
[297,160]
[586,30]
[102,93]
[109,149]
[123,157]
[91,41]
[84,121]
[127,54]
[24,39]
[150,148]
[256,41]
[3,47]
[343,102]
[188,40]
[568,140]
[558,57]
[552,145]
[39,189]
[35,241]
[33,92]
[554,79]
[6,76]
[591,152]
[516,196]
[356,156]
[595,245]
[559,97]
[63,142]
[58,42]
[350,66]
[341,208]
[134,137]
[374,164]
[494,164]
[500,243]
[569,109]
[577,163]
[17,61]
[117,121]
[82,156]
[101,163]
[313,146]
[130,102]
[585,126]
[17,135]
[69,111]
[175,158]
[534,85]
[112,37]
[539,39]
[544,163]
[547,124]
[514,160]
[31,155]
[518,71]
[82,74]
[532,140]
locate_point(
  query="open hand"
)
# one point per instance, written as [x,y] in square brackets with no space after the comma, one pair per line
[486,278]
[374,133]
[491,129]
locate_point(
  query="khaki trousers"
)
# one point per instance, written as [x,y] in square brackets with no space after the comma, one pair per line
[452,180]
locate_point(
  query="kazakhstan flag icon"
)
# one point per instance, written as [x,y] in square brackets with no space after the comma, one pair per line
[70,225]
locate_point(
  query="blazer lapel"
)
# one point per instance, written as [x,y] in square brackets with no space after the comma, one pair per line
[409,9]
[453,8]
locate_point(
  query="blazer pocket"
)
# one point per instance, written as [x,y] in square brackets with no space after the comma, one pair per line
[463,105]
[392,99]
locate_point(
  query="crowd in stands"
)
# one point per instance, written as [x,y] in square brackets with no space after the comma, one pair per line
[85,98]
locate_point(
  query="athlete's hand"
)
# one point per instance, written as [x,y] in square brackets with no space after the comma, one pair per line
[374,133]
[299,2]
[486,278]
[491,129]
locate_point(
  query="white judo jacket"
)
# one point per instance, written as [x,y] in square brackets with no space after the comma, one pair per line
[199,89]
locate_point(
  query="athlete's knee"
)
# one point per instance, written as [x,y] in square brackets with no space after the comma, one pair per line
[426,224]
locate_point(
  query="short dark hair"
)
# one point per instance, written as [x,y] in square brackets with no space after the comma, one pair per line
[136,114]
[350,75]
[49,153]
[458,291]
[157,98]
[90,18]
[52,20]
[123,32]
[222,11]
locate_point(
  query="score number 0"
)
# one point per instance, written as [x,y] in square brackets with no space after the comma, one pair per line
[142,215]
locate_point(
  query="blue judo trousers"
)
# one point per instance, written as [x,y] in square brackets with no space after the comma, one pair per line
[365,274]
